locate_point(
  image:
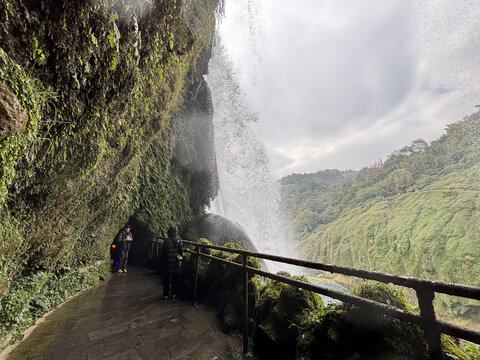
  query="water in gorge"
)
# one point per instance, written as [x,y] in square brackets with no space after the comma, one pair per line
[248,195]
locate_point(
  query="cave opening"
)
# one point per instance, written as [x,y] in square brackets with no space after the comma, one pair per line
[141,250]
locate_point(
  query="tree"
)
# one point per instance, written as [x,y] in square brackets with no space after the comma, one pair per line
[373,169]
[418,145]
[402,179]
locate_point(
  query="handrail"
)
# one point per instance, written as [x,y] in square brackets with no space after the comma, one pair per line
[425,290]
[460,290]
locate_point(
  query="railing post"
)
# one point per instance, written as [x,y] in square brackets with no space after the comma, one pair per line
[245,309]
[197,260]
[427,312]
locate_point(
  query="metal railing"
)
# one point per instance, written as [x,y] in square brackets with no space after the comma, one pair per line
[424,289]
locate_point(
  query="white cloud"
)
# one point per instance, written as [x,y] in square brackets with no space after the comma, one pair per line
[339,84]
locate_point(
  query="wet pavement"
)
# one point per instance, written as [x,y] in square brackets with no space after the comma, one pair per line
[126,318]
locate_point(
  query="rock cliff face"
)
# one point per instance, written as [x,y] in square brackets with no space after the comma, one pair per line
[104,117]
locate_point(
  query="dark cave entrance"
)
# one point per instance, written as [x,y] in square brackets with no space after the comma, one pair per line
[140,253]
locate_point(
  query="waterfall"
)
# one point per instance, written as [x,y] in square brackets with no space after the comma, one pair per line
[248,195]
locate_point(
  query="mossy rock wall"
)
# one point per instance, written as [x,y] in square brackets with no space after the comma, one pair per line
[119,127]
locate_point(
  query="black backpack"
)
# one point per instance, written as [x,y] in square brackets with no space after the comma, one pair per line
[118,237]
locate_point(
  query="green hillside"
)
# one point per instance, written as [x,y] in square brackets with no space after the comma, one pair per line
[416,214]
[431,233]
[312,199]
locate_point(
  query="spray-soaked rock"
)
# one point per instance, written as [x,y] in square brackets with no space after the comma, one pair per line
[13,117]
[218,230]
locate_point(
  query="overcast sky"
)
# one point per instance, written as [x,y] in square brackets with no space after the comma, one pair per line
[340,84]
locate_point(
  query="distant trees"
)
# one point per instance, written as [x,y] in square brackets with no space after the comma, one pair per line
[312,200]
[373,169]
[418,145]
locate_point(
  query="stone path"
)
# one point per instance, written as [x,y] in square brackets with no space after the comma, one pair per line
[126,318]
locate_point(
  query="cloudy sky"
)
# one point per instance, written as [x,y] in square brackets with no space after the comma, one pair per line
[340,84]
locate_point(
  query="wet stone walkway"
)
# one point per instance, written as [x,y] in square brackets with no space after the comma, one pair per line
[126,318]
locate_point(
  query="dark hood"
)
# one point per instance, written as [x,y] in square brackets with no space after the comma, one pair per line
[172,232]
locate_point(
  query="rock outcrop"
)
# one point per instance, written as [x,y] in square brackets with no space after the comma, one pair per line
[13,116]
[218,230]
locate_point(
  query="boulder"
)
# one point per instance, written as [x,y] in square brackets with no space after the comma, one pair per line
[218,230]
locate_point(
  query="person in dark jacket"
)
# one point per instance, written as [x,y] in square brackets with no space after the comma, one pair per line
[124,240]
[170,255]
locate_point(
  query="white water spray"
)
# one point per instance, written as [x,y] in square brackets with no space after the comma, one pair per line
[248,196]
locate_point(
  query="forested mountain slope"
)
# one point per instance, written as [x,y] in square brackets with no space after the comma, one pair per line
[309,200]
[430,233]
[416,214]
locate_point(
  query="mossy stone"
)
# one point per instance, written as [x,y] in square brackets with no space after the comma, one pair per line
[278,315]
[348,332]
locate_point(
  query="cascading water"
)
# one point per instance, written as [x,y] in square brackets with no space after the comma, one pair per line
[248,195]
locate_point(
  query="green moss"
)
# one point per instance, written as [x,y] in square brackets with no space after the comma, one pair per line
[271,289]
[33,96]
[383,293]
[471,350]
[280,313]
[452,350]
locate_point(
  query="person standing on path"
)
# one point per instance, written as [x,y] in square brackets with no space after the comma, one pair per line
[124,240]
[170,255]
